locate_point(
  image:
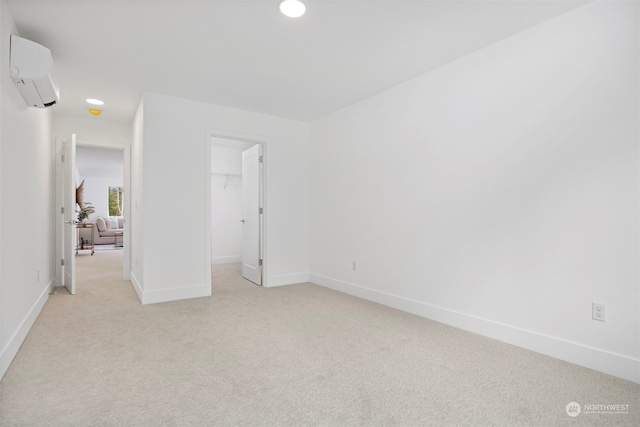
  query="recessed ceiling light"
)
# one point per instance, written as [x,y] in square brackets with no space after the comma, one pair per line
[95,101]
[292,8]
[95,111]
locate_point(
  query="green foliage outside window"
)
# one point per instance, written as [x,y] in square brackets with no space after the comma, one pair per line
[115,201]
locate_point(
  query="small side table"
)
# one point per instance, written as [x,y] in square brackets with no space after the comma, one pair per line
[119,239]
[79,245]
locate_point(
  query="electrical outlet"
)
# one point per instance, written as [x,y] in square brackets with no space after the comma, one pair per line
[598,312]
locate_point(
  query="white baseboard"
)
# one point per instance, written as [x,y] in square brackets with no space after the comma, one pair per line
[175,294]
[618,365]
[226,259]
[137,286]
[171,294]
[286,279]
[13,345]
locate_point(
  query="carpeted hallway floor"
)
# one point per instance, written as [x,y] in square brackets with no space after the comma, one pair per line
[297,355]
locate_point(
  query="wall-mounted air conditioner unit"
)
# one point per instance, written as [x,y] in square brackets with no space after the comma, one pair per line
[31,68]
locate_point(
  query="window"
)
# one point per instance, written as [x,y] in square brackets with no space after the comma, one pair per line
[115,201]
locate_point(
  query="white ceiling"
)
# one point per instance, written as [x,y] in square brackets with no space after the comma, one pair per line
[245,54]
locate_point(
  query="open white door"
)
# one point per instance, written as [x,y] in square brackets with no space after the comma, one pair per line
[68,166]
[252,214]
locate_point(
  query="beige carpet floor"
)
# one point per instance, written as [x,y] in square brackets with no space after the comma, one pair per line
[297,355]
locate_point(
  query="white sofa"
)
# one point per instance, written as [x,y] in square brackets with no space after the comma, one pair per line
[105,228]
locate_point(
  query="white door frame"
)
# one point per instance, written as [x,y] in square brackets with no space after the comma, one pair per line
[240,137]
[126,237]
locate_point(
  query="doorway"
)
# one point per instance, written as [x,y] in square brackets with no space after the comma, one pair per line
[237,208]
[100,171]
[98,168]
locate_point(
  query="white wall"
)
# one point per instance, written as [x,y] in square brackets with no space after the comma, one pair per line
[174,149]
[92,131]
[26,207]
[226,205]
[100,169]
[95,133]
[96,191]
[498,193]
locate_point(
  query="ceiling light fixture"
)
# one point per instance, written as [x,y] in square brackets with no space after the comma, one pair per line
[95,101]
[95,111]
[292,8]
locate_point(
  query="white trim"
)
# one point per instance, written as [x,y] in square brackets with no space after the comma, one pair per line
[175,294]
[137,286]
[226,259]
[265,151]
[287,279]
[172,294]
[126,203]
[610,363]
[207,226]
[18,337]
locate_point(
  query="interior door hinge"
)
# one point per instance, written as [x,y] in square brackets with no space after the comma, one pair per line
[62,158]
[260,262]
[62,210]
[260,211]
[261,159]
[62,262]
